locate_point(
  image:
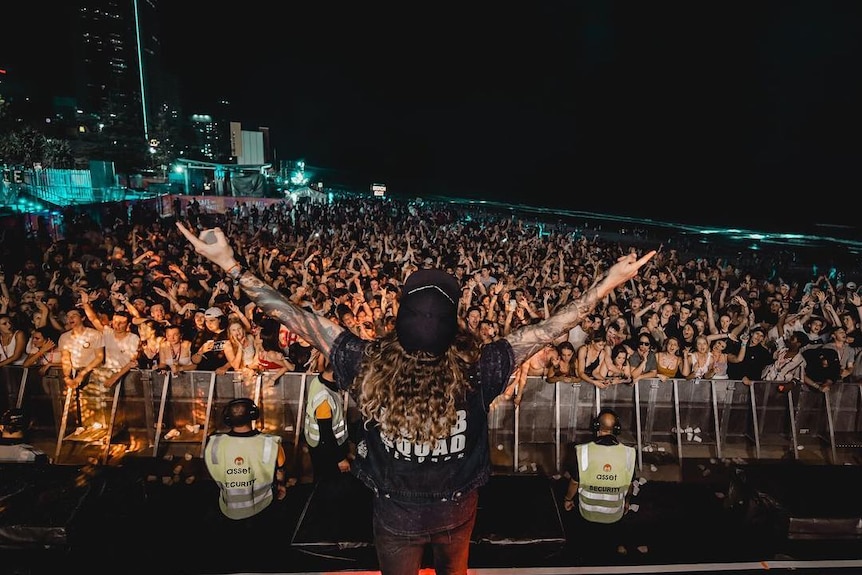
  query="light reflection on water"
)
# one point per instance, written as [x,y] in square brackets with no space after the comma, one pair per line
[835,245]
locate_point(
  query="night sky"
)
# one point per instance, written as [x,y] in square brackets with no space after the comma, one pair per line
[729,113]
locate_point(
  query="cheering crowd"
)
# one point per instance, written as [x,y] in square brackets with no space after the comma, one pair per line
[681,316]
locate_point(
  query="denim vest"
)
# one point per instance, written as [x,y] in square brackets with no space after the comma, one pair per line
[418,473]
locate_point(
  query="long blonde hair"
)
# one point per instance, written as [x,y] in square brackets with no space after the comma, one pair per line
[414,395]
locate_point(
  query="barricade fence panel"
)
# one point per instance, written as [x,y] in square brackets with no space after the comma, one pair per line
[577,409]
[501,434]
[735,411]
[537,427]
[159,413]
[846,403]
[656,403]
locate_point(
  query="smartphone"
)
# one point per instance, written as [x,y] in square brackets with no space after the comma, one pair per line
[219,345]
[208,236]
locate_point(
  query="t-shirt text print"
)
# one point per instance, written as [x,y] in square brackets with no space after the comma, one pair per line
[446,448]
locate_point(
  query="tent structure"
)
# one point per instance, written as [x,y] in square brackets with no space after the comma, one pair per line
[312,195]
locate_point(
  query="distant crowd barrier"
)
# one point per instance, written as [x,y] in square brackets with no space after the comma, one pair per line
[155,413]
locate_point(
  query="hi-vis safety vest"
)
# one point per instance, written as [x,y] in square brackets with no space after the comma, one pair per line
[605,473]
[244,469]
[318,394]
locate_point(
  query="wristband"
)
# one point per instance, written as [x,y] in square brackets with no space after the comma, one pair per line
[235,271]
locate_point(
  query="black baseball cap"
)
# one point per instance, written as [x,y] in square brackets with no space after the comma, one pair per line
[427,317]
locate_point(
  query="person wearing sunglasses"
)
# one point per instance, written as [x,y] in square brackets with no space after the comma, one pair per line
[643,360]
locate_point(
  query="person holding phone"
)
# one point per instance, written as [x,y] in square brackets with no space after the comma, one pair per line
[210,355]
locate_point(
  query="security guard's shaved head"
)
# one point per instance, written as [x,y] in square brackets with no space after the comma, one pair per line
[607,422]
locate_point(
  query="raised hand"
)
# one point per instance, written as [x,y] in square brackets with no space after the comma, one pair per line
[212,244]
[626,268]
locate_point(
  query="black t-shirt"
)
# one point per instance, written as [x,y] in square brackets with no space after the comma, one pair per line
[212,360]
[757,357]
[822,363]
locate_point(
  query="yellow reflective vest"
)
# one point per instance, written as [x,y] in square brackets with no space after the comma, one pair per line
[318,393]
[244,469]
[605,474]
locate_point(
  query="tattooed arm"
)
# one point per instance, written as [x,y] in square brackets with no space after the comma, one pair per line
[529,339]
[318,331]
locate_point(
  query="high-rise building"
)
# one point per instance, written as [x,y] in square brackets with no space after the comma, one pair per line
[117,61]
[100,80]
[88,65]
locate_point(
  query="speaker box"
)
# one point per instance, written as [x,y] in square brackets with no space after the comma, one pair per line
[798,501]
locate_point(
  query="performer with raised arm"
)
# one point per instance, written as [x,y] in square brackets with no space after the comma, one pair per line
[423,391]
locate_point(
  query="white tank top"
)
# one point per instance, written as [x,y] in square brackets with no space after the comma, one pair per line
[6,351]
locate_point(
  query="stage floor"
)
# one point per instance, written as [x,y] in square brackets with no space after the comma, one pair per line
[132,520]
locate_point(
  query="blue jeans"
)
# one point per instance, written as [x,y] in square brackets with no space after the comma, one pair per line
[402,554]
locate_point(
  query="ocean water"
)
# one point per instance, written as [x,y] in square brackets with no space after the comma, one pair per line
[830,249]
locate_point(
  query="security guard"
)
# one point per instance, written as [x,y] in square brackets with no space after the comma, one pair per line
[13,439]
[247,465]
[602,478]
[325,427]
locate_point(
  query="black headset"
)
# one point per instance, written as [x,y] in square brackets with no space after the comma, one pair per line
[14,420]
[618,428]
[251,409]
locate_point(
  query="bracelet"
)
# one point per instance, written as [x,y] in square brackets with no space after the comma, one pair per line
[234,271]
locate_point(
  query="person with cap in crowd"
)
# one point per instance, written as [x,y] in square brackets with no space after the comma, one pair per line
[210,355]
[423,391]
[249,468]
[14,448]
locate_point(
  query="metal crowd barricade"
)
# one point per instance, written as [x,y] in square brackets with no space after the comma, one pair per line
[696,413]
[159,414]
[190,406]
[692,418]
[656,414]
[501,433]
[185,402]
[845,416]
[773,418]
[575,410]
[282,404]
[734,414]
[536,426]
[13,382]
